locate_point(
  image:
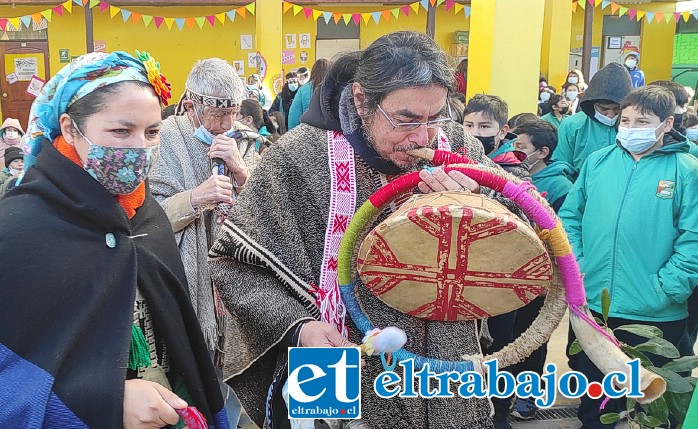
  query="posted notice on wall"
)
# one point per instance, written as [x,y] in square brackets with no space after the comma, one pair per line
[35,85]
[25,68]
[12,78]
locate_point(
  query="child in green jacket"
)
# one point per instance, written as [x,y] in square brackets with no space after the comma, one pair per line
[632,223]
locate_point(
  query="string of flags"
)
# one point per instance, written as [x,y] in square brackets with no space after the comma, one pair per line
[377,16]
[636,14]
[28,21]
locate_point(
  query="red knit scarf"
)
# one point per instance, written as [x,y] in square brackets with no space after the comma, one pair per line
[130,202]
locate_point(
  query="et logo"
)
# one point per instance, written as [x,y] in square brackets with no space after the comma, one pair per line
[324,383]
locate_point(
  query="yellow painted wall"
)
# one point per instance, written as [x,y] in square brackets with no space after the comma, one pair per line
[493,66]
[176,50]
[656,45]
[64,32]
[447,23]
[557,29]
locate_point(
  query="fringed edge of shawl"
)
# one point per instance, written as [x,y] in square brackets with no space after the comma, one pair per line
[233,243]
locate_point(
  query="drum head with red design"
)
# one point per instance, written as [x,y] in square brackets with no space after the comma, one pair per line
[454,256]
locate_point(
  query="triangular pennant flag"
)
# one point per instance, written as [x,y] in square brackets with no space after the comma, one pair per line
[181,21]
[337,17]
[405,10]
[695,14]
[376,16]
[686,15]
[241,11]
[466,10]
[126,14]
[597,3]
[231,15]
[169,22]
[614,7]
[640,14]
[591,2]
[356,18]
[386,15]
[366,17]
[286,6]
[200,20]
[449,4]
[308,12]
[36,17]
[415,7]
[632,13]
[26,20]
[425,4]
[668,17]
[3,24]
[327,16]
[574,7]
[158,21]
[458,7]
[68,6]
[221,17]
[94,3]
[582,4]
[251,8]
[431,2]
[79,2]
[296,9]
[47,14]
[622,10]
[103,6]
[59,9]
[14,22]
[135,17]
[147,19]
[211,20]
[605,3]
[316,14]
[659,16]
[113,10]
[346,17]
[677,17]
[395,12]
[649,16]
[440,2]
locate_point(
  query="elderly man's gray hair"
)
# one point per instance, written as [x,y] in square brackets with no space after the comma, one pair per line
[215,77]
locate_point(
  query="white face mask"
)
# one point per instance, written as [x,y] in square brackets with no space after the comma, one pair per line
[692,134]
[544,96]
[573,79]
[609,122]
[571,95]
[638,140]
[631,64]
[12,134]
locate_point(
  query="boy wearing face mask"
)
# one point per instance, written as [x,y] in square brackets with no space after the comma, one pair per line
[559,110]
[14,165]
[595,128]
[485,117]
[637,192]
[636,75]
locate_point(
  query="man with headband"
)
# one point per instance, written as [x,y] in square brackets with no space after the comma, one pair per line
[370,110]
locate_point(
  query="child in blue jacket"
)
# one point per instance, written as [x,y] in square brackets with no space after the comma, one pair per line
[632,223]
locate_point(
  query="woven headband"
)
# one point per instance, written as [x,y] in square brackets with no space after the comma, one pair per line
[206,100]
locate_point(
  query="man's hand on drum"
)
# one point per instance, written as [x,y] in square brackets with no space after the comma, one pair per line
[437,180]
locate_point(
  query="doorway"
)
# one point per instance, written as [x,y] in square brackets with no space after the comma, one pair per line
[20,61]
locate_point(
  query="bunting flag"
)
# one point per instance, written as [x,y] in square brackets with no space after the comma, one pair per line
[634,13]
[377,16]
[41,18]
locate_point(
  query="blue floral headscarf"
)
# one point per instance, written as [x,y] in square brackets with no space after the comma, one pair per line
[74,81]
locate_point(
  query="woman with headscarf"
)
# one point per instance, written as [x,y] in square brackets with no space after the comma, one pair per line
[98,329]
